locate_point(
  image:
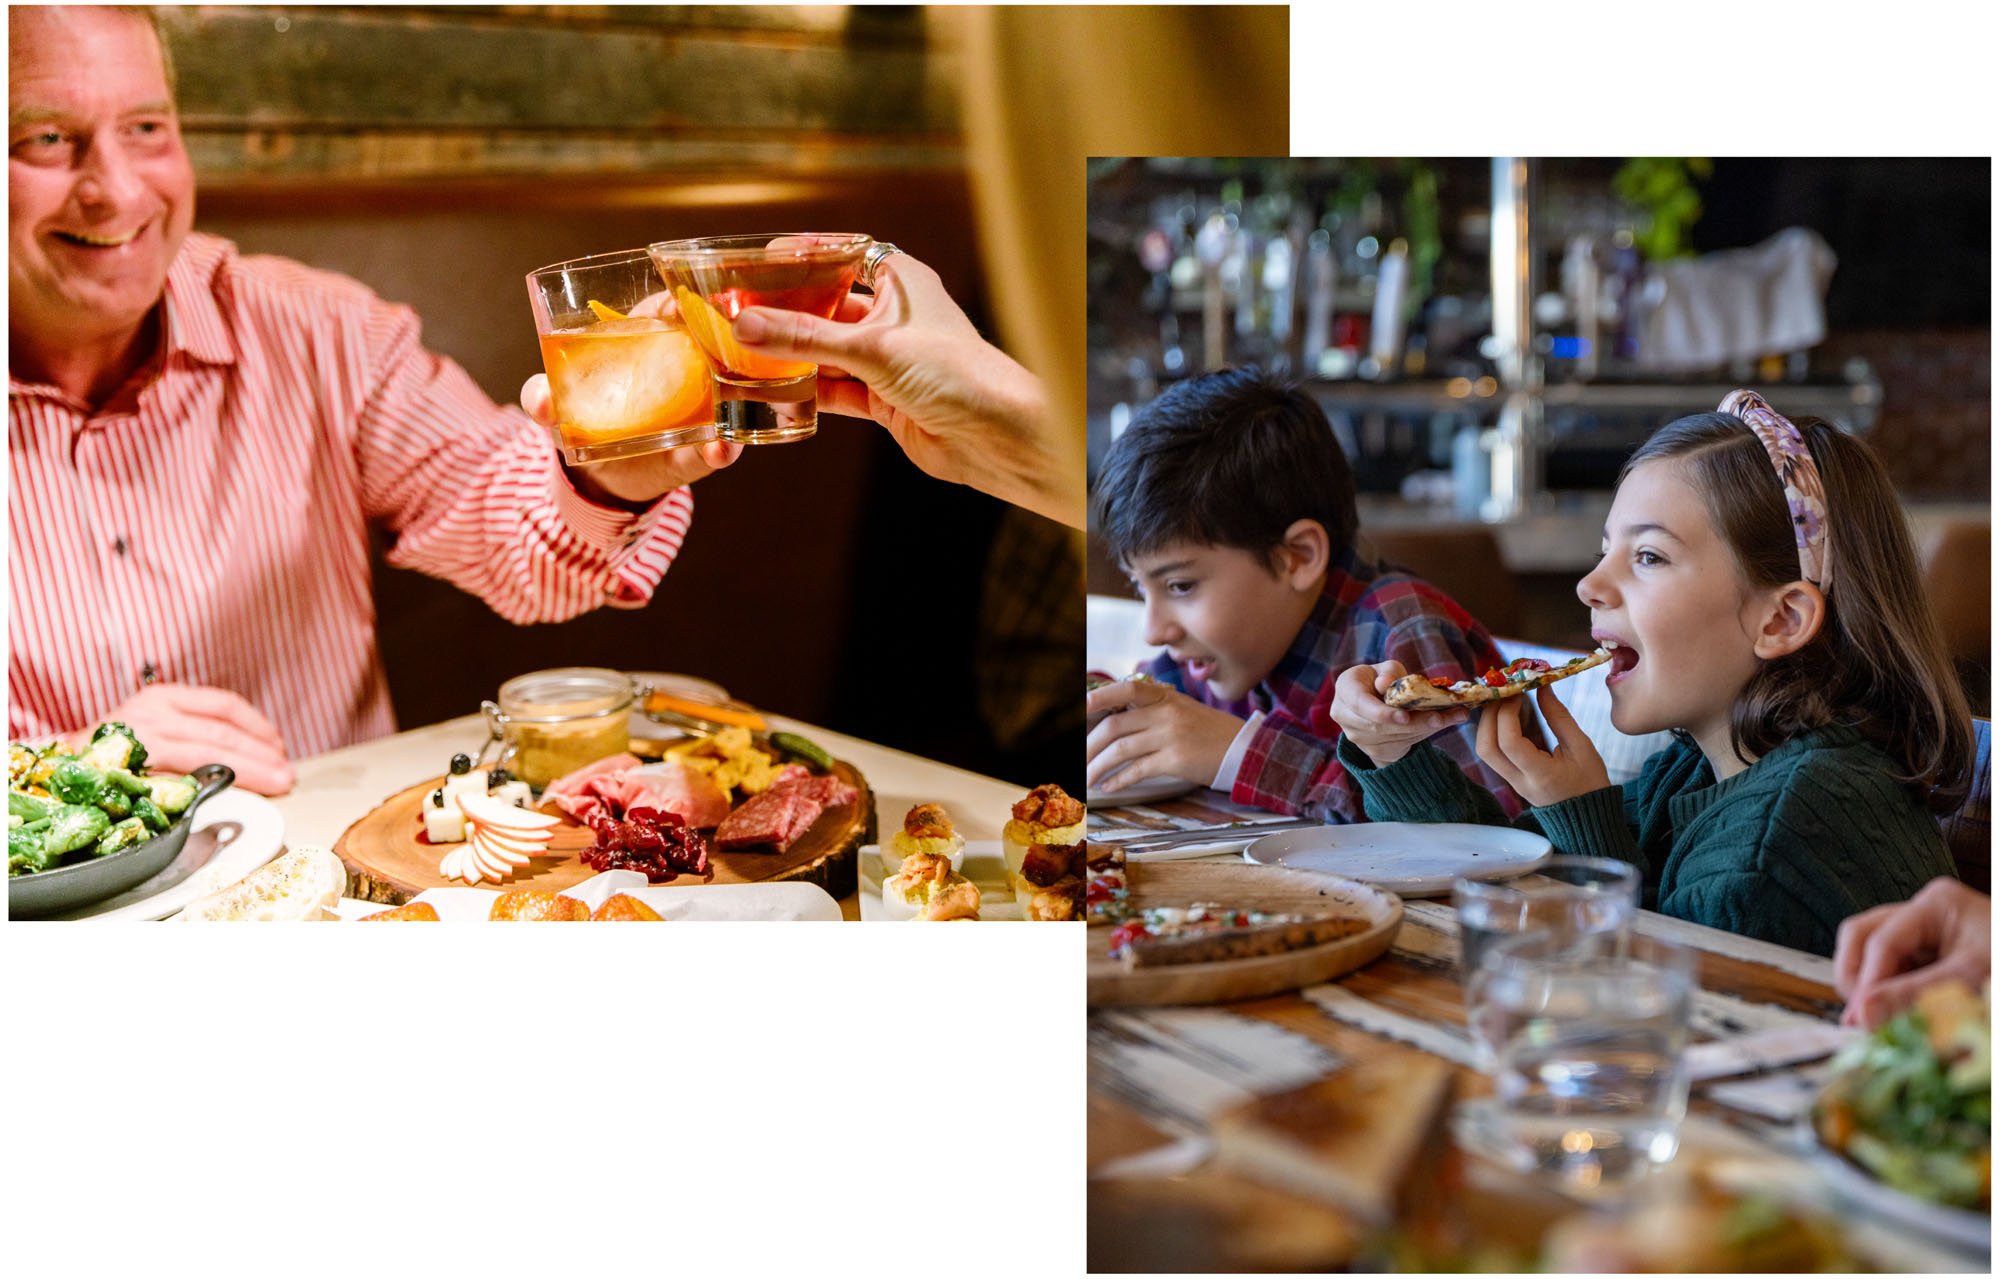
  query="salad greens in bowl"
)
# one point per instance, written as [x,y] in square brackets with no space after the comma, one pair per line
[1912,1103]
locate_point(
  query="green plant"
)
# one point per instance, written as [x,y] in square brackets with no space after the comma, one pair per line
[1662,190]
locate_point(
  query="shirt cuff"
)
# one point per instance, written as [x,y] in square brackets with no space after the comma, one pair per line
[636,547]
[606,529]
[1232,759]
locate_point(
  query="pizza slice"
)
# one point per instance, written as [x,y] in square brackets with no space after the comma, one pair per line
[1422,693]
[1208,933]
[1107,898]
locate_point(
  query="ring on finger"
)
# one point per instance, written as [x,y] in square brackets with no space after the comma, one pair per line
[871,261]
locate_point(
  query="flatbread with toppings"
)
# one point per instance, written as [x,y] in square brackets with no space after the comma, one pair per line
[1422,693]
[1107,898]
[1206,933]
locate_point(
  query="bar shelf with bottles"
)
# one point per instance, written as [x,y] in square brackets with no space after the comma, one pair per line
[1429,351]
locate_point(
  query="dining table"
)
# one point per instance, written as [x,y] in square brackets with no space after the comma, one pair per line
[1165,1192]
[339,788]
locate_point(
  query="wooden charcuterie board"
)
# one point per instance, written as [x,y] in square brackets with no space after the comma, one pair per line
[389,859]
[1249,887]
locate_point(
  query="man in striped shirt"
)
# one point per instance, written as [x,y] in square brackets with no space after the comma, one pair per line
[198,443]
[1230,502]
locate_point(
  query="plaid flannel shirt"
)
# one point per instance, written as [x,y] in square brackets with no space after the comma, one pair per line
[1367,613]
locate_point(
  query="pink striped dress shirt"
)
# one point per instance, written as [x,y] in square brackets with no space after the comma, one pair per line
[214,528]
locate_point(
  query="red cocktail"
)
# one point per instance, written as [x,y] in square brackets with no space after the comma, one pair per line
[759,399]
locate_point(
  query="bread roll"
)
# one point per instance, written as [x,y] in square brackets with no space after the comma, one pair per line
[304,883]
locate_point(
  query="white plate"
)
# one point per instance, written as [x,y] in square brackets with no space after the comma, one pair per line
[234,833]
[1145,792]
[984,865]
[735,902]
[1959,1227]
[1411,859]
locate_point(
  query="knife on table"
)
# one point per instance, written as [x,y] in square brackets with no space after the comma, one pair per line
[1244,832]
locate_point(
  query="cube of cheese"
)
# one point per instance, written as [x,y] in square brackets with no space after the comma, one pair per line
[459,783]
[444,825]
[517,792]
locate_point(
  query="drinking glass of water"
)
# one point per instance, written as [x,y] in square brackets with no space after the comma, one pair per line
[1591,1081]
[1568,897]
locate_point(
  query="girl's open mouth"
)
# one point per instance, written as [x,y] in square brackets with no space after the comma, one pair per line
[1623,659]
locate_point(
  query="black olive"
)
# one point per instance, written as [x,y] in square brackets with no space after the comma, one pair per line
[499,777]
[437,798]
[460,765]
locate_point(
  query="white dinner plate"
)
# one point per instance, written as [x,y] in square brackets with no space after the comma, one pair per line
[984,865]
[1411,859]
[1144,792]
[788,900]
[234,833]
[1959,1227]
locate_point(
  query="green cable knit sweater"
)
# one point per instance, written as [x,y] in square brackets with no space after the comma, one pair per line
[1783,851]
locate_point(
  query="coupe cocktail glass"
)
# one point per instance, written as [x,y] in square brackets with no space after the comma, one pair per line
[759,399]
[623,383]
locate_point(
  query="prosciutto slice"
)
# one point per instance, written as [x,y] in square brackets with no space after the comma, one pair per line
[611,788]
[568,790]
[673,787]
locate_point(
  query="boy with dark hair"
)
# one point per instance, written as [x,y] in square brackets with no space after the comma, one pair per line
[1231,506]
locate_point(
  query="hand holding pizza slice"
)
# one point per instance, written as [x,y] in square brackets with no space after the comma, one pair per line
[1384,733]
[1541,777]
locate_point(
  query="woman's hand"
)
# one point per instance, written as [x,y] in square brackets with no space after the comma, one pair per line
[957,405]
[1383,732]
[1541,777]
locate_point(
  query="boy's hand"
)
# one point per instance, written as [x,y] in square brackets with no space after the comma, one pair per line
[1151,730]
[1538,776]
[1384,733]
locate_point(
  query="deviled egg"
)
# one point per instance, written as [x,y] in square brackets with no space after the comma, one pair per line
[926,829]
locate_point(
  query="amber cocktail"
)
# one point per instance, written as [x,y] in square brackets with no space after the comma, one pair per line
[759,399]
[625,379]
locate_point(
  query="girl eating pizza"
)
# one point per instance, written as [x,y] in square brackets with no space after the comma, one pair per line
[1759,597]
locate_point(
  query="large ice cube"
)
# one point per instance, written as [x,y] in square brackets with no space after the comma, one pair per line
[619,374]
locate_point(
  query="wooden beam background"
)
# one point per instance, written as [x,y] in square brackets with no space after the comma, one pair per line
[293,93]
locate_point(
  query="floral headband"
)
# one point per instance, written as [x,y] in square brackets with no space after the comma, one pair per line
[1804,495]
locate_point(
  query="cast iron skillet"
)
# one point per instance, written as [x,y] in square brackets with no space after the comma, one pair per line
[64,888]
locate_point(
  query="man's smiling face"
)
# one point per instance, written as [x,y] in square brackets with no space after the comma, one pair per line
[100,192]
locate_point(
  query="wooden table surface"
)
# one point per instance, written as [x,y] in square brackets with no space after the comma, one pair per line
[1158,1201]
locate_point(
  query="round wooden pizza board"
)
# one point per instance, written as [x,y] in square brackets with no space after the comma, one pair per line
[1241,885]
[389,859]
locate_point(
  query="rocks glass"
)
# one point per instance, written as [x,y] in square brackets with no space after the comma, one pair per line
[622,383]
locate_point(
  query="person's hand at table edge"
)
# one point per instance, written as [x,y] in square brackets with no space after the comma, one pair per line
[631,481]
[184,726]
[1883,957]
[959,407]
